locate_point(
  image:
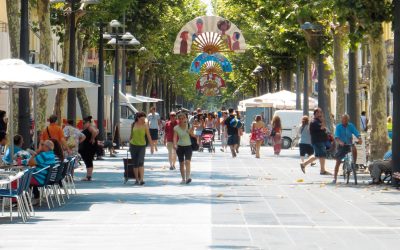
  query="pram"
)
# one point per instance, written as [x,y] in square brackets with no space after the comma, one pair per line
[207,140]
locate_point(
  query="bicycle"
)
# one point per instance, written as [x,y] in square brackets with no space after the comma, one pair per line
[349,166]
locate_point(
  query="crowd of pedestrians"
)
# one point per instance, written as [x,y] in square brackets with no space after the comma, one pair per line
[182,134]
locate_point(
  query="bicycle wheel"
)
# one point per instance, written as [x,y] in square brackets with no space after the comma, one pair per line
[354,168]
[345,172]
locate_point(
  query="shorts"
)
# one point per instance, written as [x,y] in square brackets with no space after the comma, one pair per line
[319,149]
[88,161]
[342,151]
[170,147]
[306,149]
[137,154]
[184,153]
[154,134]
[233,140]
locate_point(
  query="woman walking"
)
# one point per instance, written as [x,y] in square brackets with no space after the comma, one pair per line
[87,149]
[305,146]
[257,130]
[224,135]
[183,147]
[139,132]
[276,134]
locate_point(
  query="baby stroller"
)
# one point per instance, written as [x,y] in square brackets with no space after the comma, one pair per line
[207,140]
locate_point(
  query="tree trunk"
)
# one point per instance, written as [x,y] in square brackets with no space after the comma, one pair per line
[379,138]
[338,54]
[287,79]
[13,18]
[61,95]
[43,10]
[83,46]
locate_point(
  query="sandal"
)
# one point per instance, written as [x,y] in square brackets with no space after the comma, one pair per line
[87,178]
[325,173]
[303,168]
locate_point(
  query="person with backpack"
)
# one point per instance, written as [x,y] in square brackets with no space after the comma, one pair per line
[54,131]
[233,133]
[73,137]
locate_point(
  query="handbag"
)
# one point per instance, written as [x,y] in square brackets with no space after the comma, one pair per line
[195,145]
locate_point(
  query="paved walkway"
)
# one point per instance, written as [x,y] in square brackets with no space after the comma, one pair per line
[242,203]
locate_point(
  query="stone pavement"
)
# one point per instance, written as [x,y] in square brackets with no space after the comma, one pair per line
[242,203]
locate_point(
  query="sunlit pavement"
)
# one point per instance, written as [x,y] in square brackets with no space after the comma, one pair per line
[242,203]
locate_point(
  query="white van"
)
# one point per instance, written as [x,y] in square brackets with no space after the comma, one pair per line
[290,120]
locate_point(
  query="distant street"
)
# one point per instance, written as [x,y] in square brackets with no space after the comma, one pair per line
[242,203]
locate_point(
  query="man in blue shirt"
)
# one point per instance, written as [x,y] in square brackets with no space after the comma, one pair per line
[344,138]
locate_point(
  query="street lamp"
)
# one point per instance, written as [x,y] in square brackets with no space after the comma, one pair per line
[71,107]
[117,38]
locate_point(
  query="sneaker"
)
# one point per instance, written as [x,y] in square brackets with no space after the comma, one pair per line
[189,181]
[313,164]
[325,173]
[334,182]
[142,183]
[136,182]
[171,168]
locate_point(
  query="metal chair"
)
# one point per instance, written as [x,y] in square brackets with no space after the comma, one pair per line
[18,195]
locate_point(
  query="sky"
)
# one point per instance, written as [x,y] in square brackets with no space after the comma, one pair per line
[210,10]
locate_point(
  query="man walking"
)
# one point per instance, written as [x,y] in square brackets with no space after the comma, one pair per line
[233,133]
[344,137]
[169,139]
[154,124]
[318,140]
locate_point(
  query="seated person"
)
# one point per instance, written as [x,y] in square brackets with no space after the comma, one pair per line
[44,157]
[18,142]
[378,167]
[3,140]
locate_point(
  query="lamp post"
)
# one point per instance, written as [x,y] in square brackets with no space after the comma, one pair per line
[116,38]
[396,91]
[71,97]
[100,93]
[305,88]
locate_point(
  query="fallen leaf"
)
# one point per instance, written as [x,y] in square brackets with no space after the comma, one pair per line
[220,195]
[300,180]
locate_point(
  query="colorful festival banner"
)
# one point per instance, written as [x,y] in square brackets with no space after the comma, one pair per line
[201,59]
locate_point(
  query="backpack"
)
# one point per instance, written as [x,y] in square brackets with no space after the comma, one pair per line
[71,142]
[235,123]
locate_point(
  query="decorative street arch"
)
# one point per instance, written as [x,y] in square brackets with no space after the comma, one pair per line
[210,84]
[209,34]
[203,58]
